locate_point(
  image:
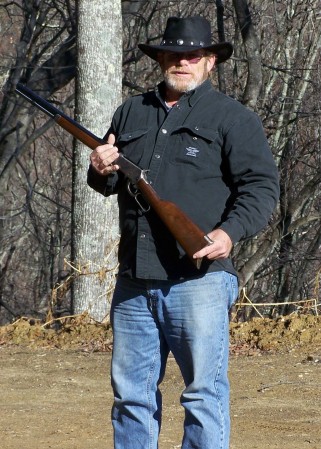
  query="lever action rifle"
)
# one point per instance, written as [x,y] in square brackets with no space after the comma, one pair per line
[184,230]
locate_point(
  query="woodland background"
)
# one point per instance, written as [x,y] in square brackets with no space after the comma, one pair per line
[275,70]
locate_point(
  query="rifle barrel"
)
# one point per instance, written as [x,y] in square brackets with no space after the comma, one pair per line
[184,230]
[60,117]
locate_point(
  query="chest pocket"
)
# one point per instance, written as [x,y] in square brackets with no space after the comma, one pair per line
[199,148]
[132,144]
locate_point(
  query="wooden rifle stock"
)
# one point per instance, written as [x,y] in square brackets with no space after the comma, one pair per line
[184,230]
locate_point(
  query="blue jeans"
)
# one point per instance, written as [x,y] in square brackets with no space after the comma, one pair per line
[190,319]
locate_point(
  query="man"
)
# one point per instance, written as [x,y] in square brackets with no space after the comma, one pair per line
[208,154]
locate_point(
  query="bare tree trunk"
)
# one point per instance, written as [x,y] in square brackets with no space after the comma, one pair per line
[252,49]
[221,37]
[95,227]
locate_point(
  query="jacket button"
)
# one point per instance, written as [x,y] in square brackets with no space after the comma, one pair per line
[157,156]
[164,131]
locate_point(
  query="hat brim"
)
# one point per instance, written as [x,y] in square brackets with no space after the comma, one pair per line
[223,50]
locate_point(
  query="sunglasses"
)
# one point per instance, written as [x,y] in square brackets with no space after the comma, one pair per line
[192,58]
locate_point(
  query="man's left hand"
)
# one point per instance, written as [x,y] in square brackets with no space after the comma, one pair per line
[219,249]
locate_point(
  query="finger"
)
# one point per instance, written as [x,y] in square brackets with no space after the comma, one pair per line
[216,250]
[204,252]
[102,164]
[111,139]
[220,248]
[104,152]
[103,170]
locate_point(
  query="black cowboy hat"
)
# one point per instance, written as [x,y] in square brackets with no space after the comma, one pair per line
[188,34]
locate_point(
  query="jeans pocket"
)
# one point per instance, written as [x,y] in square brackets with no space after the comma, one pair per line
[233,289]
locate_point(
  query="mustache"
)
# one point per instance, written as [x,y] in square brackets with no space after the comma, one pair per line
[179,71]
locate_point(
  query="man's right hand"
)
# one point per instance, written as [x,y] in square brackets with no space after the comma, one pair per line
[102,157]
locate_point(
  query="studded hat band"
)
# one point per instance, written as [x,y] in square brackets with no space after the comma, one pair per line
[182,42]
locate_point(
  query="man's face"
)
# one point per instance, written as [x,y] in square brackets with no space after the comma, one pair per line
[185,71]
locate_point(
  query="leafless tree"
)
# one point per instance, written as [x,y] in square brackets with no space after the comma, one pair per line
[290,38]
[99,86]
[38,49]
[275,70]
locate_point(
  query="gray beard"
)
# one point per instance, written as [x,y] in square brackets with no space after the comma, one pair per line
[171,84]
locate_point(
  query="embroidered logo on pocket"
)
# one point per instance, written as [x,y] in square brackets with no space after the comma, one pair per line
[192,151]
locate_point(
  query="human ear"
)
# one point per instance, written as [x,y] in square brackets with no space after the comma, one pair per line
[210,62]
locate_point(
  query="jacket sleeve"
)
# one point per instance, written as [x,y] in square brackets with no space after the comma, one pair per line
[106,185]
[253,175]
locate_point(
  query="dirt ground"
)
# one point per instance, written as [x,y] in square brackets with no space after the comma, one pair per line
[55,385]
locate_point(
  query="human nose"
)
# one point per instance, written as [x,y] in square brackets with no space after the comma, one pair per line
[182,58]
